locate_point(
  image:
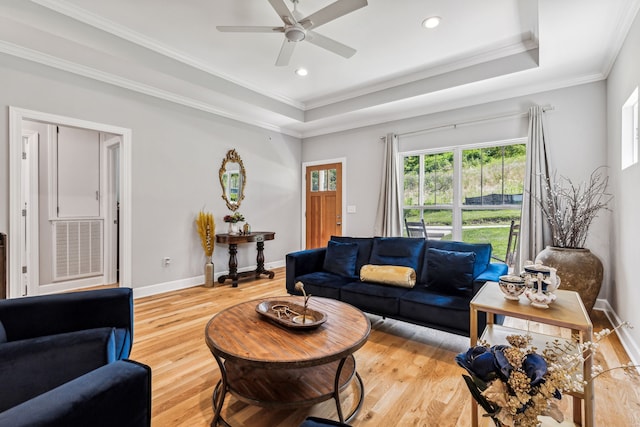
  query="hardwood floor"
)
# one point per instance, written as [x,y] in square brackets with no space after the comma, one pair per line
[409,372]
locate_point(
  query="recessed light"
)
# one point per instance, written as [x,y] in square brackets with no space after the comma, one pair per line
[431,22]
[302,72]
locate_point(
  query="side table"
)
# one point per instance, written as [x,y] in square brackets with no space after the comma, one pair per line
[259,237]
[566,312]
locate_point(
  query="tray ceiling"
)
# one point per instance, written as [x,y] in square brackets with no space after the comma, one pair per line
[172,50]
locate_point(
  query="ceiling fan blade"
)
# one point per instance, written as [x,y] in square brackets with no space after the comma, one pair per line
[285,53]
[249,29]
[283,11]
[331,12]
[330,44]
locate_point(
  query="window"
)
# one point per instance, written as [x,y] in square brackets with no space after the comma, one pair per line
[323,180]
[629,134]
[466,193]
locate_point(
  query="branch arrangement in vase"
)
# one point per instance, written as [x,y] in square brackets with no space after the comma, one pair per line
[570,209]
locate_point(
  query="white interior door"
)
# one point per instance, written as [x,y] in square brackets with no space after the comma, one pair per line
[111,201]
[29,215]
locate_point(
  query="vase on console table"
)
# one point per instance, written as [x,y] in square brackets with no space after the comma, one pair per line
[233,228]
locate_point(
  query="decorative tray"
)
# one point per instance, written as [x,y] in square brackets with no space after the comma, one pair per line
[291,315]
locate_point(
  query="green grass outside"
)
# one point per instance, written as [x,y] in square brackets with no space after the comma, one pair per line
[475,217]
[498,238]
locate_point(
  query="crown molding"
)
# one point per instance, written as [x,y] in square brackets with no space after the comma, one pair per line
[625,21]
[104,77]
[93,20]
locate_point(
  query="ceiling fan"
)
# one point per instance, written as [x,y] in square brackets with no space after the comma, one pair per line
[297,28]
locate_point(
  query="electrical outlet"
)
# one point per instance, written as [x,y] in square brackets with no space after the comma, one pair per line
[166,261]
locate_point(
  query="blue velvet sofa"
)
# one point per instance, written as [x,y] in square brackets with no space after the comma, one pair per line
[448,275]
[63,362]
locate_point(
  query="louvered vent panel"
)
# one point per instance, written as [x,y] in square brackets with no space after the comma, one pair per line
[77,249]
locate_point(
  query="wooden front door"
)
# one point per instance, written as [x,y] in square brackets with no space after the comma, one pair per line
[324,203]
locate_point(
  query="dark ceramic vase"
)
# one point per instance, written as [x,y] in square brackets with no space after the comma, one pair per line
[579,269]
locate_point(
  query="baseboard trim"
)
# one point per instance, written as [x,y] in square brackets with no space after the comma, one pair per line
[629,344]
[190,282]
[70,285]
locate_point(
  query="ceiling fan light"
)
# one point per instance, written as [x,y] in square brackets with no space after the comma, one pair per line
[295,33]
[431,22]
[302,72]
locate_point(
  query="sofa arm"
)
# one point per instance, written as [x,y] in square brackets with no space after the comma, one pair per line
[303,262]
[34,366]
[117,394]
[491,274]
[44,315]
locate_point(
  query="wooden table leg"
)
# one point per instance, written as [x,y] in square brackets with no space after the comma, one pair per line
[260,262]
[473,341]
[233,266]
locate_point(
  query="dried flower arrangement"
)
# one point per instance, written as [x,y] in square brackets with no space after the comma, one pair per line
[570,209]
[514,384]
[206,229]
[236,217]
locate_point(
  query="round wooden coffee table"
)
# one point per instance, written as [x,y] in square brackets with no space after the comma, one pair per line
[270,365]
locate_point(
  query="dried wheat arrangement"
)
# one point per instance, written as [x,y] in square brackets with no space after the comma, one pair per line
[206,229]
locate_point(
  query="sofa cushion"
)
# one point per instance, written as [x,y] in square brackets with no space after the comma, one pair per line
[373,297]
[341,258]
[482,251]
[323,284]
[403,251]
[393,275]
[448,311]
[450,271]
[364,248]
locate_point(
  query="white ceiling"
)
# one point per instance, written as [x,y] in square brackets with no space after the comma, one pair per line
[482,51]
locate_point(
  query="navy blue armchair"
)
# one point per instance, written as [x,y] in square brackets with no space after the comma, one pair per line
[63,362]
[321,422]
[32,317]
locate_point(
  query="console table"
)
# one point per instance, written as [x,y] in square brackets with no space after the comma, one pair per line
[233,240]
[567,311]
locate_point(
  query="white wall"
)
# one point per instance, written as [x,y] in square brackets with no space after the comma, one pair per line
[624,293]
[575,130]
[176,152]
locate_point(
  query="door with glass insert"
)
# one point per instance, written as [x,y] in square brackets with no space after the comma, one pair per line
[323,204]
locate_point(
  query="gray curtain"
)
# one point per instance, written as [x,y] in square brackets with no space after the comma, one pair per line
[533,227]
[389,215]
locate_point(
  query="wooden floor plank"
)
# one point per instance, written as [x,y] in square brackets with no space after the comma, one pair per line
[409,372]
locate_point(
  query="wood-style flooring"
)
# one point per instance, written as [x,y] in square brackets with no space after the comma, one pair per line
[409,372]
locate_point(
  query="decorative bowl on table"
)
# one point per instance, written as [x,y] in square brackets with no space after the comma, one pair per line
[290,314]
[512,286]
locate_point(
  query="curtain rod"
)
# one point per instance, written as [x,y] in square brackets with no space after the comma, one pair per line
[474,121]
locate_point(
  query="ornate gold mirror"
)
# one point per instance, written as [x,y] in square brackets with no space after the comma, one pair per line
[232,180]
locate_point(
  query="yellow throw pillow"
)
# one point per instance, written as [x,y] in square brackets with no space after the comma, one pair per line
[394,275]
